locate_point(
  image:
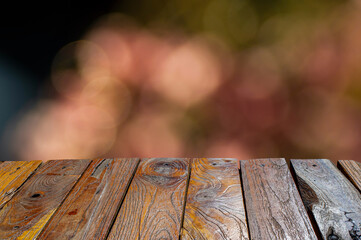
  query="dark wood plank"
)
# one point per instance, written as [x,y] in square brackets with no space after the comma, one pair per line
[352,170]
[334,202]
[153,206]
[214,206]
[274,207]
[90,208]
[12,175]
[26,214]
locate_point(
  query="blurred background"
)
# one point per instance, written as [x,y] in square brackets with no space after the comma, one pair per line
[181,78]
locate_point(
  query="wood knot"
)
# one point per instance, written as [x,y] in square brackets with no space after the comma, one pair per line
[164,168]
[164,172]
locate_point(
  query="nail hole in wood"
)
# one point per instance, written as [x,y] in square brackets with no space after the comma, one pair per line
[35,195]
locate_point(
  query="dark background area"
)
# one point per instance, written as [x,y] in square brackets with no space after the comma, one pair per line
[31,33]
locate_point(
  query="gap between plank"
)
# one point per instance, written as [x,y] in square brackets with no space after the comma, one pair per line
[244,198]
[185,196]
[122,200]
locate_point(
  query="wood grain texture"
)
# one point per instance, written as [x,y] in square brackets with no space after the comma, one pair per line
[12,175]
[90,208]
[352,170]
[334,202]
[274,207]
[214,206]
[63,167]
[26,214]
[153,206]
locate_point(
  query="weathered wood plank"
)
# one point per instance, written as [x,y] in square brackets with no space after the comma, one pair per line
[26,214]
[153,206]
[63,167]
[352,170]
[274,207]
[334,202]
[214,206]
[12,175]
[90,208]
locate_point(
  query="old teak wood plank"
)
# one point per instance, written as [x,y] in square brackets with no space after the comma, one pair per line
[26,214]
[274,207]
[154,204]
[90,208]
[12,175]
[214,206]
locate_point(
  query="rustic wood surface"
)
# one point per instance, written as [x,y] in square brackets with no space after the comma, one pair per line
[153,206]
[165,198]
[333,200]
[274,207]
[90,208]
[12,175]
[25,215]
[352,170]
[214,206]
[63,167]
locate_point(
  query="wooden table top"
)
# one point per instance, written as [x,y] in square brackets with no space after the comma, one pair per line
[175,198]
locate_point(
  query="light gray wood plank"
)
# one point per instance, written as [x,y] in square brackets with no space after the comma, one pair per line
[333,200]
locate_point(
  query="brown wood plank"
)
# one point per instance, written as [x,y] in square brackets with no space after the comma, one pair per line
[274,207]
[90,208]
[214,206]
[26,214]
[334,202]
[153,206]
[12,175]
[63,167]
[352,170]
